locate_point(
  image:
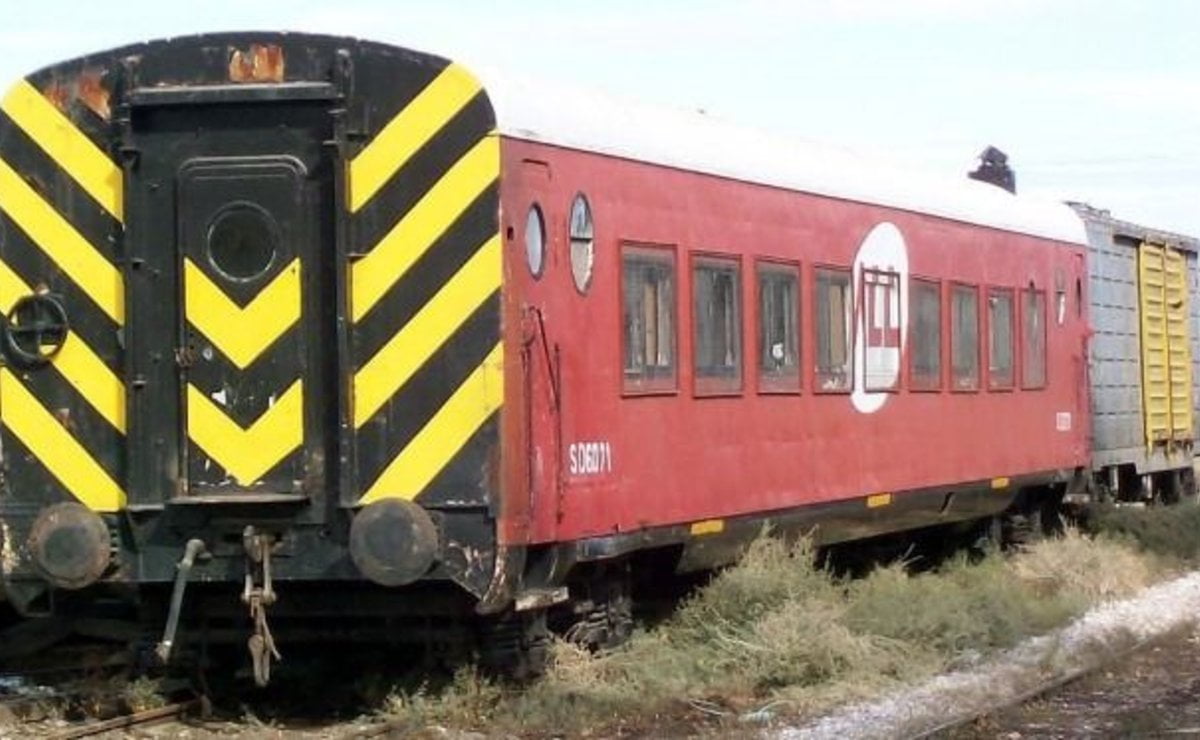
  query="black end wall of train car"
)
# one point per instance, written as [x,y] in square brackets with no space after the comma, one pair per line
[254,280]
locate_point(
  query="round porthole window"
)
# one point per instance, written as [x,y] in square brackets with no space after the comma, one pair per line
[535,241]
[242,241]
[582,243]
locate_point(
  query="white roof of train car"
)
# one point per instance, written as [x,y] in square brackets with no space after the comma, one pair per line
[589,121]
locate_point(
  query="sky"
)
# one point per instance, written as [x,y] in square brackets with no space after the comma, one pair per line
[1092,101]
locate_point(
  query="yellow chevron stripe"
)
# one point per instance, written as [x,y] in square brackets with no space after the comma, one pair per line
[408,131]
[247,454]
[445,434]
[56,448]
[372,275]
[73,254]
[391,367]
[74,152]
[242,334]
[75,361]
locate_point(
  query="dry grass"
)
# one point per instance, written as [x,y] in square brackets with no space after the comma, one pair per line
[1171,532]
[1094,569]
[776,630]
[142,694]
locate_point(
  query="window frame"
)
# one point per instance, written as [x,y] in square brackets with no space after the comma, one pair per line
[536,208]
[716,384]
[652,384]
[773,383]
[817,370]
[954,385]
[1042,292]
[920,383]
[581,197]
[866,313]
[992,383]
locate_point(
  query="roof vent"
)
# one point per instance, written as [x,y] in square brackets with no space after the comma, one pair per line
[993,168]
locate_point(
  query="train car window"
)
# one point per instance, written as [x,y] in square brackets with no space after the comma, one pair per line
[1033,336]
[648,316]
[582,237]
[535,240]
[242,242]
[778,327]
[964,337]
[925,335]
[881,327]
[833,325]
[1060,297]
[717,323]
[1000,339]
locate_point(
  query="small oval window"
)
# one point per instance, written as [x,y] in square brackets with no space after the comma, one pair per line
[535,241]
[582,243]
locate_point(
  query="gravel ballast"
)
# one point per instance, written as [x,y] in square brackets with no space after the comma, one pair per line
[1088,641]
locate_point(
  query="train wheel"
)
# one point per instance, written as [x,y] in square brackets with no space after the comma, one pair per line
[603,619]
[515,645]
[986,537]
[1187,486]
[1023,528]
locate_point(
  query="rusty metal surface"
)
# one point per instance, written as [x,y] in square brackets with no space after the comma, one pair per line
[88,88]
[94,94]
[259,63]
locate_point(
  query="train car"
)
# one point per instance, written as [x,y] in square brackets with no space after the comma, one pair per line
[320,334]
[1144,357]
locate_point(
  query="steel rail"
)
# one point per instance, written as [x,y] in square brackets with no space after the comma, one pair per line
[149,716]
[1048,686]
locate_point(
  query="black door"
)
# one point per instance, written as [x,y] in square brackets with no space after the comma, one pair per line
[231,245]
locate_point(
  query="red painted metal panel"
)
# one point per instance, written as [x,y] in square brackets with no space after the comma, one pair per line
[582,458]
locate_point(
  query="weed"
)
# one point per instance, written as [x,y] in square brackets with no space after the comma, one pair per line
[143,693]
[779,630]
[1092,568]
[466,701]
[1171,531]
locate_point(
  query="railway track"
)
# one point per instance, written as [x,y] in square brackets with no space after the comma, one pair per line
[944,705]
[135,719]
[86,684]
[1050,685]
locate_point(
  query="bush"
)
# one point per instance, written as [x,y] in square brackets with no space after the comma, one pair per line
[776,628]
[1169,531]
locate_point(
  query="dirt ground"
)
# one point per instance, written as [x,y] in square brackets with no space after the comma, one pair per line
[1154,693]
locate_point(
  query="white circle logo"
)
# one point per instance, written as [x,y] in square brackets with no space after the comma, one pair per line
[880,316]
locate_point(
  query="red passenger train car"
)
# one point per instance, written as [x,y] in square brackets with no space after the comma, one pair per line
[719,328]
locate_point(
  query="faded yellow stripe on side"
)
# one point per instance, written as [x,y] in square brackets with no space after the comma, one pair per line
[408,349]
[55,448]
[371,276]
[247,454]
[444,435]
[74,152]
[75,361]
[242,333]
[74,255]
[408,131]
